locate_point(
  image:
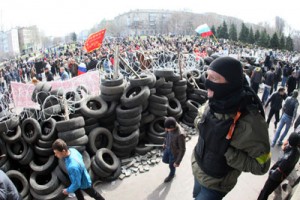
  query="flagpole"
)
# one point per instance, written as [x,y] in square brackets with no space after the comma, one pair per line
[215,38]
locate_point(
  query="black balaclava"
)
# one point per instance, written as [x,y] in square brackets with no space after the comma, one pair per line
[226,95]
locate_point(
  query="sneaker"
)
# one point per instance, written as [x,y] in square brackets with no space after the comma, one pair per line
[168,179]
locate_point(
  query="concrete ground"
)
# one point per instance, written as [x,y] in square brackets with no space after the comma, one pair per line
[150,186]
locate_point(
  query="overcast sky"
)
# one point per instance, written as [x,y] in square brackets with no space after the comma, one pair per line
[59,17]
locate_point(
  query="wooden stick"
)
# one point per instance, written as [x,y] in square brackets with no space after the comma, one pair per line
[154,145]
[195,83]
[116,63]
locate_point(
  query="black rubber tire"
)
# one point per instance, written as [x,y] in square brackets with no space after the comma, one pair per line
[193,105]
[9,124]
[101,160]
[144,80]
[98,171]
[190,124]
[128,113]
[6,166]
[18,178]
[112,82]
[98,113]
[48,129]
[62,177]
[180,89]
[124,151]
[180,83]
[22,148]
[51,111]
[127,129]
[51,101]
[110,98]
[31,130]
[163,91]
[155,139]
[82,88]
[44,144]
[125,139]
[155,98]
[100,138]
[45,167]
[113,176]
[158,106]
[171,95]
[112,106]
[174,107]
[36,90]
[28,157]
[159,113]
[164,72]
[55,195]
[113,90]
[142,94]
[90,128]
[91,121]
[71,124]
[129,122]
[47,187]
[79,141]
[2,152]
[147,119]
[153,130]
[43,151]
[12,136]
[167,85]
[188,118]
[159,81]
[174,78]
[72,134]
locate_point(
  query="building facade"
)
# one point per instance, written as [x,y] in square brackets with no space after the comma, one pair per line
[29,39]
[9,41]
[143,22]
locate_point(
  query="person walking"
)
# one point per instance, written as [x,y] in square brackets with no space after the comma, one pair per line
[48,74]
[63,74]
[174,146]
[291,83]
[256,79]
[8,190]
[269,82]
[78,174]
[289,114]
[276,104]
[233,134]
[283,167]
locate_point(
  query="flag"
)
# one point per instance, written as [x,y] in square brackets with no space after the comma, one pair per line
[94,41]
[81,68]
[204,30]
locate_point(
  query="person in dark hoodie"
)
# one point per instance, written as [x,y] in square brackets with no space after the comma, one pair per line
[291,83]
[174,146]
[276,104]
[283,167]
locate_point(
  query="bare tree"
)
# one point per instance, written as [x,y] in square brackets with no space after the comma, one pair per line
[279,25]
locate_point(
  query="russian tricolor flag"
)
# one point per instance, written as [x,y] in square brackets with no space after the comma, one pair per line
[81,68]
[204,30]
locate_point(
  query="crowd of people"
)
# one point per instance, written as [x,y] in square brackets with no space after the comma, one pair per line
[233,105]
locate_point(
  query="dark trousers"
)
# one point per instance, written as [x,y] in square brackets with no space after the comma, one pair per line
[271,113]
[168,158]
[268,188]
[255,87]
[90,191]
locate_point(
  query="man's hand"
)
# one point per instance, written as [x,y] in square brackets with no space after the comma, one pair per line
[65,191]
[284,145]
[176,165]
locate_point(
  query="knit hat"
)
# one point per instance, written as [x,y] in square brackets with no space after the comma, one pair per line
[295,93]
[230,68]
[170,122]
[294,139]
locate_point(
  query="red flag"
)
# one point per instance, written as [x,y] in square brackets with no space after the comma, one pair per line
[94,41]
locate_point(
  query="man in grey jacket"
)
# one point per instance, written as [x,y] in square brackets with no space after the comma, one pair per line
[8,190]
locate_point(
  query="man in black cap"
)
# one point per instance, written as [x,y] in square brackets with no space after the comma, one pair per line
[233,134]
[283,167]
[174,146]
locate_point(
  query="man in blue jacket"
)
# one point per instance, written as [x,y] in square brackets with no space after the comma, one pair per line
[80,178]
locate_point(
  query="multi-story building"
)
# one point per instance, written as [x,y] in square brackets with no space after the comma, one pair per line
[29,39]
[9,41]
[143,22]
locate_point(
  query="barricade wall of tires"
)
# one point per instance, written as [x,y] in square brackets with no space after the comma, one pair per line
[110,130]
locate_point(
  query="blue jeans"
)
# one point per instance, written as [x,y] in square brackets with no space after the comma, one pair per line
[266,94]
[168,158]
[202,193]
[285,120]
[283,81]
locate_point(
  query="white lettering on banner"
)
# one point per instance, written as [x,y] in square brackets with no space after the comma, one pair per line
[22,92]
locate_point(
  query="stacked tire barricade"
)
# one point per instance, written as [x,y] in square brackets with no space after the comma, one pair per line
[111,130]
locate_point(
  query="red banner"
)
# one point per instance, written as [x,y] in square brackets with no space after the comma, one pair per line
[94,41]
